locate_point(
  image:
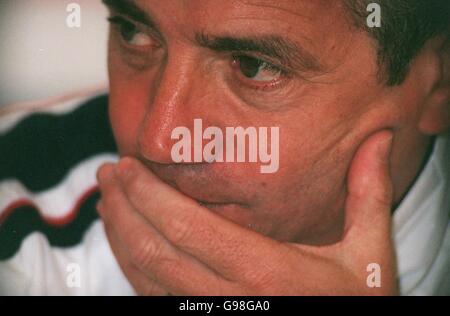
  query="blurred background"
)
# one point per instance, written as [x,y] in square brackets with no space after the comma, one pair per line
[40,57]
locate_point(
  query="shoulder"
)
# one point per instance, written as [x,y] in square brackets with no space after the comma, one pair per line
[12,114]
[50,154]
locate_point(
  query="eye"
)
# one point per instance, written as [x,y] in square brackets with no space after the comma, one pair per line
[130,32]
[256,69]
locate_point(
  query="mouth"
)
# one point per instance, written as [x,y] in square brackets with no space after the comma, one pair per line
[208,201]
[215,205]
[198,187]
[235,212]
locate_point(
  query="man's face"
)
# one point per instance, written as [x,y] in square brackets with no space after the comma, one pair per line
[297,65]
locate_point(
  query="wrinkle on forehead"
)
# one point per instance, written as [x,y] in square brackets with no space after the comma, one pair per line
[322,25]
[306,9]
[309,19]
[319,26]
[285,6]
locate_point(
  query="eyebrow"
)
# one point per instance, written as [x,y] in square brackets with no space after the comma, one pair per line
[273,46]
[130,9]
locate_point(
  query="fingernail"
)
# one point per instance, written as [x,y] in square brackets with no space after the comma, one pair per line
[106,173]
[124,168]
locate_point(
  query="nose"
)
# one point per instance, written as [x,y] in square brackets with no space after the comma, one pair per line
[168,108]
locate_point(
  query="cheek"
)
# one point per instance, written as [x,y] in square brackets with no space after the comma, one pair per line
[304,200]
[126,101]
[306,203]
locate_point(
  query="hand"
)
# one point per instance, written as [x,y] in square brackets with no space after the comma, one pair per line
[166,243]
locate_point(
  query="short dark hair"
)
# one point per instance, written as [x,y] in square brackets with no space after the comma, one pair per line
[406,26]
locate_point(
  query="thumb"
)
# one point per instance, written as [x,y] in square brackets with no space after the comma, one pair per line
[370,193]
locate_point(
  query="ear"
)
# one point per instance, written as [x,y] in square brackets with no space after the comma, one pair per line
[435,116]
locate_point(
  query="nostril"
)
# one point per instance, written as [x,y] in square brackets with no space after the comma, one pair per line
[156,149]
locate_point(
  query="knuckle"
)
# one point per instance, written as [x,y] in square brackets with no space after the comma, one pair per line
[143,285]
[170,265]
[384,197]
[262,281]
[181,228]
[136,185]
[180,232]
[103,170]
[153,289]
[145,252]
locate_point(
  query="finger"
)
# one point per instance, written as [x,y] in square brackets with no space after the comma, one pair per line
[142,284]
[367,238]
[229,249]
[370,192]
[148,250]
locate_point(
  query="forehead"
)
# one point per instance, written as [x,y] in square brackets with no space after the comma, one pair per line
[316,25]
[223,12]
